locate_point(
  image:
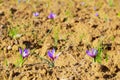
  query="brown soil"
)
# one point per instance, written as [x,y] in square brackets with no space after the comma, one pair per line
[78,29]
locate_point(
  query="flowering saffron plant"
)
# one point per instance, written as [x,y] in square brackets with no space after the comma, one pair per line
[52,55]
[23,56]
[52,16]
[36,14]
[24,52]
[96,14]
[92,53]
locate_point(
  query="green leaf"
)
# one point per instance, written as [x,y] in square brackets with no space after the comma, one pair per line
[13,32]
[98,58]
[110,2]
[22,60]
[6,62]
[118,15]
[50,63]
[56,35]
[106,57]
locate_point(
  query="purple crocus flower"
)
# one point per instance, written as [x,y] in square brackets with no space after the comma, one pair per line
[36,14]
[93,52]
[24,53]
[52,16]
[52,55]
[97,14]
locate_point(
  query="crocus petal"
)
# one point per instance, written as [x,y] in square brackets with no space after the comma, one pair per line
[88,52]
[25,53]
[53,51]
[52,15]
[26,50]
[20,50]
[36,14]
[50,54]
[96,14]
[58,54]
[94,52]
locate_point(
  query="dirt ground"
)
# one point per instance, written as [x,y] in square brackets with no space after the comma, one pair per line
[78,26]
